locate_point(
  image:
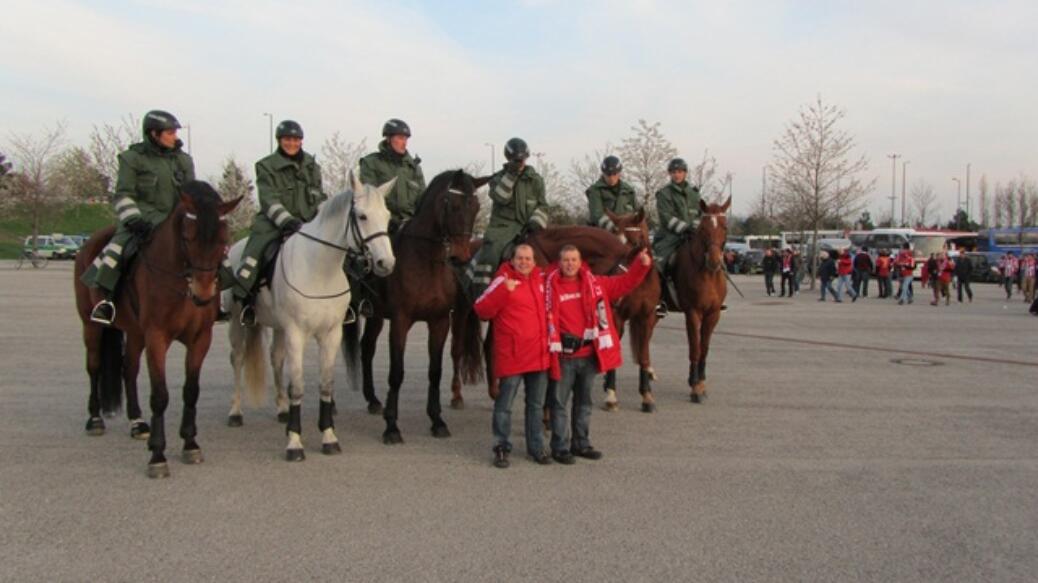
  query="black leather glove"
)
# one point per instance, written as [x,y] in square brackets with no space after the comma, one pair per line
[513,168]
[533,227]
[139,227]
[291,226]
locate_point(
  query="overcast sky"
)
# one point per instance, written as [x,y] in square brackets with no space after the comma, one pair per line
[943,83]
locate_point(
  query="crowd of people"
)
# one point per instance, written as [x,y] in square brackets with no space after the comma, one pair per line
[852,272]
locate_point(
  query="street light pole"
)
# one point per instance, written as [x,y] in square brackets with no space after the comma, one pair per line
[188,128]
[958,196]
[270,117]
[493,167]
[967,188]
[904,173]
[893,184]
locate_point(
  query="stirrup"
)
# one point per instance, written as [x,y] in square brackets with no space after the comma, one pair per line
[248,316]
[98,317]
[661,311]
[351,316]
[366,308]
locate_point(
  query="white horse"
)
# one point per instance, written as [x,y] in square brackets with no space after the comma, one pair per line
[308,298]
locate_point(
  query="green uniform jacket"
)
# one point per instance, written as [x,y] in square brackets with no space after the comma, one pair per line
[288,188]
[678,209]
[619,200]
[517,202]
[380,167]
[149,181]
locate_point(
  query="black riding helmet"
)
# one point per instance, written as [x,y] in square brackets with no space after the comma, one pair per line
[289,129]
[157,120]
[677,164]
[611,165]
[516,150]
[395,127]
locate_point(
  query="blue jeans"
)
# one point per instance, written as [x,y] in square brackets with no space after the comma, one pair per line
[906,289]
[845,282]
[578,374]
[827,284]
[501,425]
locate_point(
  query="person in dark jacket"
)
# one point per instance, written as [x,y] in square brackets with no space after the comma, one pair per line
[827,272]
[770,265]
[963,272]
[862,272]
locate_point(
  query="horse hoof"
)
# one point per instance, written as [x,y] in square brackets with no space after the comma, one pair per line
[458,403]
[392,438]
[331,448]
[698,398]
[283,417]
[648,407]
[160,470]
[191,456]
[295,455]
[611,406]
[235,421]
[374,408]
[440,431]
[140,430]
[95,426]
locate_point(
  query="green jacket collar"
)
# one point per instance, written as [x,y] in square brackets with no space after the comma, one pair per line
[388,154]
[280,161]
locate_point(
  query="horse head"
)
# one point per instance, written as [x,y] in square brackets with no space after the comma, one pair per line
[369,218]
[447,213]
[632,229]
[713,232]
[203,236]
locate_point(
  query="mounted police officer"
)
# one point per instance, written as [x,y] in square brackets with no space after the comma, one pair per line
[147,190]
[677,205]
[288,183]
[610,193]
[392,160]
[519,205]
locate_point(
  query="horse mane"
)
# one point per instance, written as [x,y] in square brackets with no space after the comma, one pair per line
[336,205]
[207,204]
[441,183]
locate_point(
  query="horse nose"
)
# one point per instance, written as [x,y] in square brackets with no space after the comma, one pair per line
[384,266]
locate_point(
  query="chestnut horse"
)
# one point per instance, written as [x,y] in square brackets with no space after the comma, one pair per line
[167,294]
[431,251]
[699,279]
[638,309]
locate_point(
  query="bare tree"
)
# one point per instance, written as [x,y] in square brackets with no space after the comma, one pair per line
[645,155]
[814,172]
[234,183]
[1032,198]
[982,200]
[923,201]
[78,179]
[704,176]
[32,193]
[108,140]
[1009,198]
[564,207]
[338,157]
[587,170]
[1022,201]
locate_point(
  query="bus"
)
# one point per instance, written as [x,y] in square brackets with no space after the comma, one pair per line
[922,241]
[1019,240]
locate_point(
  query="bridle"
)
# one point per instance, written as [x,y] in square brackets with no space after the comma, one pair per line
[187,274]
[710,244]
[447,236]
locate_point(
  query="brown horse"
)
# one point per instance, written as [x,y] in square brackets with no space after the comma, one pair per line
[701,288]
[167,294]
[639,310]
[431,250]
[601,250]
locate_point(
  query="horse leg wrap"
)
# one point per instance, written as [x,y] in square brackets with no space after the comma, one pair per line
[644,381]
[157,439]
[295,423]
[187,426]
[702,370]
[324,420]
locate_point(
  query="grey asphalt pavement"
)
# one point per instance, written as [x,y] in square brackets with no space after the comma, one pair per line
[815,458]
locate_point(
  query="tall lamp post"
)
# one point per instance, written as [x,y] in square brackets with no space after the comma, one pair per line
[904,173]
[270,117]
[493,167]
[958,198]
[893,184]
[967,188]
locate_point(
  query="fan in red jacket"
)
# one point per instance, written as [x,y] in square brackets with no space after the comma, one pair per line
[514,302]
[582,341]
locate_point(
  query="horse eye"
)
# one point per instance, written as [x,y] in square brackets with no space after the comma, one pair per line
[362,217]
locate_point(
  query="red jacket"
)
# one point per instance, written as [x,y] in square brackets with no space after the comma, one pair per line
[883,266]
[844,266]
[520,321]
[947,268]
[905,263]
[613,288]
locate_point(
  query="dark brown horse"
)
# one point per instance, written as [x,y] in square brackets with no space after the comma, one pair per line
[638,309]
[699,279]
[601,250]
[431,251]
[167,294]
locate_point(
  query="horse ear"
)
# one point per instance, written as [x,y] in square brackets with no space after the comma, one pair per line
[612,217]
[481,181]
[188,203]
[386,188]
[228,207]
[703,207]
[355,183]
[640,215]
[727,203]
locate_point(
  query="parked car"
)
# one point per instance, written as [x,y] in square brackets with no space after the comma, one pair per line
[47,247]
[753,259]
[70,245]
[985,266]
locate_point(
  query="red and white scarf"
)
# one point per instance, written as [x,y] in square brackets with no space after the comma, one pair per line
[596,317]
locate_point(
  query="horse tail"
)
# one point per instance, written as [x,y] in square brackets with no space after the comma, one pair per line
[470,332]
[255,363]
[351,352]
[111,370]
